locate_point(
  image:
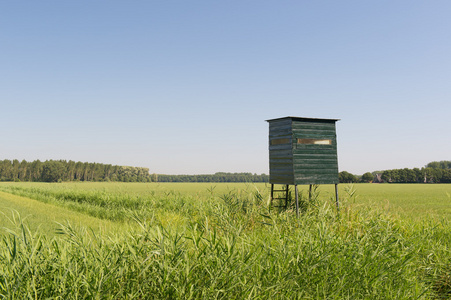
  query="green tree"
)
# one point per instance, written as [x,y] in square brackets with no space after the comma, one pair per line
[444,164]
[367,177]
[36,170]
[154,177]
[23,170]
[346,177]
[6,170]
[53,171]
[15,169]
[446,176]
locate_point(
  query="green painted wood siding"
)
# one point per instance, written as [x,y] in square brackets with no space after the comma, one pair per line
[302,162]
[281,155]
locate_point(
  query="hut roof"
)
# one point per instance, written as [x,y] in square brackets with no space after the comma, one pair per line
[305,119]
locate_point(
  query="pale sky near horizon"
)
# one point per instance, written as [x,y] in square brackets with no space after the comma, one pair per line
[185,87]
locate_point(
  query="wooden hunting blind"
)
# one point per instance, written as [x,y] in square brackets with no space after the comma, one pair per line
[302,151]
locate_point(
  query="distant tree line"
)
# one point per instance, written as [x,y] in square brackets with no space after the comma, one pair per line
[217,177]
[423,175]
[61,170]
[433,172]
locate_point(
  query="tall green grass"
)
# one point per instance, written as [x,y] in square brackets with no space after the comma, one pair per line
[226,246]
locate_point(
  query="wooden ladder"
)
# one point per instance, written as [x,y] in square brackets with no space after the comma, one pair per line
[282,198]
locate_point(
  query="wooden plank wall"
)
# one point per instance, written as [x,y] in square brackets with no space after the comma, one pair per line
[315,164]
[281,155]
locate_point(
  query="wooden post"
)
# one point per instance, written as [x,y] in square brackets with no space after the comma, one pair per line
[272,195]
[310,193]
[297,200]
[336,197]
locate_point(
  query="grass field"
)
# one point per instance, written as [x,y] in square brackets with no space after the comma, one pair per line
[408,200]
[210,240]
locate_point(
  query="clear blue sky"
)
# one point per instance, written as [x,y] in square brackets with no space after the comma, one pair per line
[185,87]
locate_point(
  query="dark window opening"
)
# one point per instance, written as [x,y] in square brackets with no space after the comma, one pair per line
[280,141]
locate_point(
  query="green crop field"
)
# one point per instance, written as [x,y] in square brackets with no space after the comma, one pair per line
[211,240]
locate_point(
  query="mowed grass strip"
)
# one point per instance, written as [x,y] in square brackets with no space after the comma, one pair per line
[44,218]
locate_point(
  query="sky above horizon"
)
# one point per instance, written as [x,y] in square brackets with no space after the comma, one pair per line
[185,87]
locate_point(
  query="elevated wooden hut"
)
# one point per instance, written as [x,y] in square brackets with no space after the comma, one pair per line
[302,151]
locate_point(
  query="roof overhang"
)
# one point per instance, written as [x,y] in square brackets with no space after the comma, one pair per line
[305,119]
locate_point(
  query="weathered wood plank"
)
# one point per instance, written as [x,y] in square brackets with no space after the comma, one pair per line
[306,135]
[280,169]
[306,166]
[299,126]
[279,134]
[281,125]
[331,160]
[309,172]
[315,177]
[318,179]
[303,152]
[280,147]
[280,160]
[281,180]
[278,152]
[314,132]
[321,165]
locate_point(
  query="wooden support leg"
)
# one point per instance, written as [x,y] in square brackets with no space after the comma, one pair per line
[310,193]
[297,200]
[272,195]
[336,196]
